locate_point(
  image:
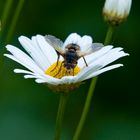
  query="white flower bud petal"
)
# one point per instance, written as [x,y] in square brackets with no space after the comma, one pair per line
[116,11]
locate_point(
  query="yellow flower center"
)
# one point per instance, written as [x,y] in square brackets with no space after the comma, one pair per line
[58,70]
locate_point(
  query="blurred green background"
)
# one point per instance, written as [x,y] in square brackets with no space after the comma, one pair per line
[28,110]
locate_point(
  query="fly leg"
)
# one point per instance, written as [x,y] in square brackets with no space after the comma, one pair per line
[59,69]
[85,61]
[56,62]
[73,71]
[67,72]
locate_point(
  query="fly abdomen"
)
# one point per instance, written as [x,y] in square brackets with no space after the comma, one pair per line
[71,57]
[70,60]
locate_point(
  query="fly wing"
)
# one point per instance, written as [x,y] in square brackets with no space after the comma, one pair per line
[93,48]
[55,43]
[97,46]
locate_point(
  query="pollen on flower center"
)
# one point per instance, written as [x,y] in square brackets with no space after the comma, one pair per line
[59,71]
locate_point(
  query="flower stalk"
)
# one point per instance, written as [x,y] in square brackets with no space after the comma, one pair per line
[91,90]
[109,35]
[4,19]
[86,109]
[60,115]
[14,20]
[5,15]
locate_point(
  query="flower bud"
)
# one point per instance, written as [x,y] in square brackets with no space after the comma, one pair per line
[116,11]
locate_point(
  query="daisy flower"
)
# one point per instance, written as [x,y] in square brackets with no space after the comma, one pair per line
[41,58]
[116,11]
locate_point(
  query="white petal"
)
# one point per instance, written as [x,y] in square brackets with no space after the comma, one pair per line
[43,76]
[102,61]
[114,57]
[46,78]
[36,76]
[48,50]
[85,42]
[87,71]
[29,76]
[117,8]
[94,56]
[103,70]
[109,57]
[44,60]
[72,38]
[49,79]
[22,71]
[23,64]
[33,49]
[68,80]
[22,58]
[39,81]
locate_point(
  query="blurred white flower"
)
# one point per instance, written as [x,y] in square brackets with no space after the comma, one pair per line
[42,58]
[116,11]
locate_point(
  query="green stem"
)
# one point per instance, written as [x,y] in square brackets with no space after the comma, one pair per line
[14,20]
[12,25]
[109,35]
[3,22]
[91,92]
[60,115]
[5,15]
[86,109]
